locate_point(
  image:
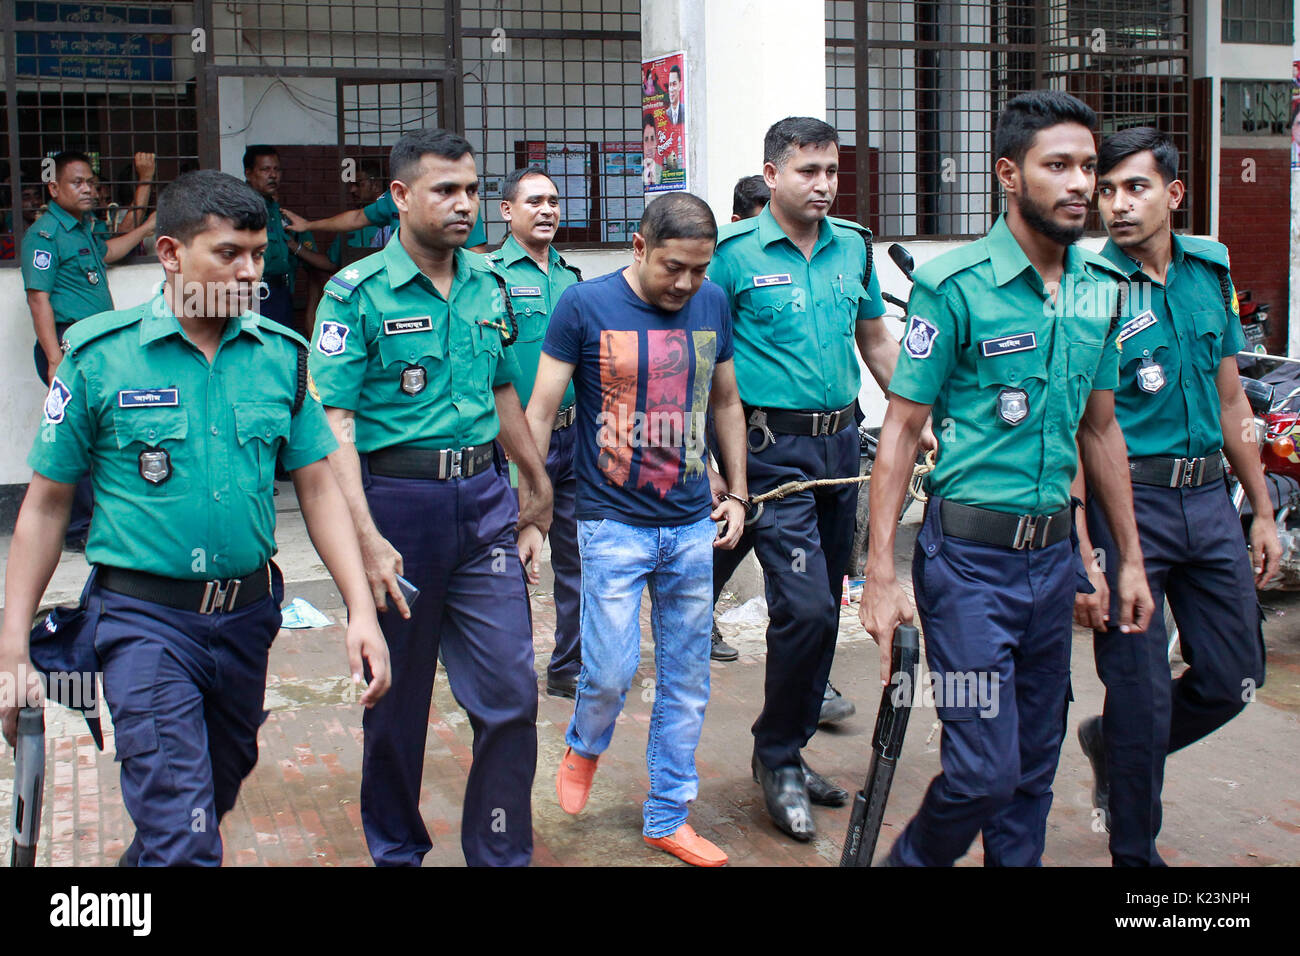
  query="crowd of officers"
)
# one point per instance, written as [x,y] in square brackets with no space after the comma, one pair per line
[1038,362]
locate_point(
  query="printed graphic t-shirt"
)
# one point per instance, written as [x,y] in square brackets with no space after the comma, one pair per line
[642,382]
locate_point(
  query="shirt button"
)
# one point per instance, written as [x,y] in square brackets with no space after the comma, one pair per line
[216,495]
[411,354]
[214,429]
[152,433]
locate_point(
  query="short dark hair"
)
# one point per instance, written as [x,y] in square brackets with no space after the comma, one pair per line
[413,147]
[750,191]
[1139,139]
[675,69]
[677,215]
[185,205]
[510,187]
[68,157]
[647,119]
[1026,114]
[253,152]
[372,167]
[795,132]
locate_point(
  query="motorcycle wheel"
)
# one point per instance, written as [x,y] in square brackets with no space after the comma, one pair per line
[858,556]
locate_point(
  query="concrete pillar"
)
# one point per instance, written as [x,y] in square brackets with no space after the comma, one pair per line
[749,63]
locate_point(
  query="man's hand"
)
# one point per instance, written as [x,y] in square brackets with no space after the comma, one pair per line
[1093,610]
[536,510]
[1135,602]
[23,680]
[1265,548]
[150,224]
[717,485]
[530,552]
[928,441]
[883,607]
[296,222]
[365,643]
[383,564]
[145,166]
[733,513]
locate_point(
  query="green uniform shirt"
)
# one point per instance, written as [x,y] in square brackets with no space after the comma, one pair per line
[134,397]
[1007,370]
[363,238]
[417,369]
[277,261]
[383,212]
[795,318]
[1171,342]
[64,256]
[533,294]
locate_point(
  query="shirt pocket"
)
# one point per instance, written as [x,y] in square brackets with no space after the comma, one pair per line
[848,296]
[155,439]
[531,316]
[1004,374]
[781,312]
[1209,325]
[261,428]
[1145,348]
[403,350]
[488,349]
[1081,370]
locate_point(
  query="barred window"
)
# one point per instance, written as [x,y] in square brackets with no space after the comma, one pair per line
[1255,108]
[1258,21]
[929,78]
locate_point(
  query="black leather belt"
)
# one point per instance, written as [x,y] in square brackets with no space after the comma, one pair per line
[1176,472]
[203,597]
[565,417]
[801,423]
[1018,532]
[403,461]
[277,282]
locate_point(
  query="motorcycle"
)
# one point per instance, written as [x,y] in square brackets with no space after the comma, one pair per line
[1254,321]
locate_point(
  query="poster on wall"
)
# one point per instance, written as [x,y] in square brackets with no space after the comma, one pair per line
[663,123]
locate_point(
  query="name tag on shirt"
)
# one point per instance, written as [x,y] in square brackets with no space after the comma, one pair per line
[780,278]
[526,290]
[1136,324]
[148,397]
[1024,342]
[423,323]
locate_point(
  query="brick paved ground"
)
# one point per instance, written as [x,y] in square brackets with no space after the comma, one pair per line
[1229,800]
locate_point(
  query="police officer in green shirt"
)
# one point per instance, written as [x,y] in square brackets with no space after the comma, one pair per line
[64,259]
[411,361]
[1179,402]
[182,407]
[802,293]
[262,171]
[535,276]
[1010,340]
[367,187]
[382,213]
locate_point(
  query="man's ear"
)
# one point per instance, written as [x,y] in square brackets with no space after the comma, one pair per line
[638,247]
[505,210]
[1008,174]
[168,250]
[769,175]
[1176,193]
[400,195]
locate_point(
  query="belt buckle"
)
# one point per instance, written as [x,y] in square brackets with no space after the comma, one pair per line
[219,596]
[1025,532]
[455,456]
[1185,469]
[822,423]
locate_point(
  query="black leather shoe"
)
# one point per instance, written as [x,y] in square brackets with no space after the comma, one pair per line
[562,686]
[821,791]
[834,707]
[1094,748]
[786,796]
[721,650]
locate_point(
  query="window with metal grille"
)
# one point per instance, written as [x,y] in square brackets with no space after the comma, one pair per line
[106,79]
[1258,21]
[929,77]
[557,85]
[1255,107]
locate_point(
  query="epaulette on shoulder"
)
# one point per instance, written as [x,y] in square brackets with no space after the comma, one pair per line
[849,224]
[935,272]
[1213,252]
[572,268]
[343,283]
[270,325]
[730,230]
[1096,261]
[93,327]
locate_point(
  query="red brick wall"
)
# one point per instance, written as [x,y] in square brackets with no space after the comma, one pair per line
[1254,223]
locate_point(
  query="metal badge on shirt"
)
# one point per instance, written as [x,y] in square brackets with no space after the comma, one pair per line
[1150,376]
[1013,405]
[155,465]
[414,379]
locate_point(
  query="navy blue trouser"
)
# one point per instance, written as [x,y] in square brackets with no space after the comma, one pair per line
[566,661]
[993,618]
[803,543]
[1196,556]
[186,693]
[83,499]
[458,545]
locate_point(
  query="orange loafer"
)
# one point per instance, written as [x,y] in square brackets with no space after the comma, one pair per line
[573,782]
[685,844]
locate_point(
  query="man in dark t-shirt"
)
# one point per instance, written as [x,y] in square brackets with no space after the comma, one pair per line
[649,351]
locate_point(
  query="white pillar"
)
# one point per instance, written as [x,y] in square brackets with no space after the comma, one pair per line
[749,63]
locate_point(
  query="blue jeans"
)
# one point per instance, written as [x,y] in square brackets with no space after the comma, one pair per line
[618,561]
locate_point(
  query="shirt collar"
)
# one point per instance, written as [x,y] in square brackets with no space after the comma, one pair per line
[770,231]
[1131,266]
[513,251]
[1009,260]
[402,268]
[158,321]
[64,218]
